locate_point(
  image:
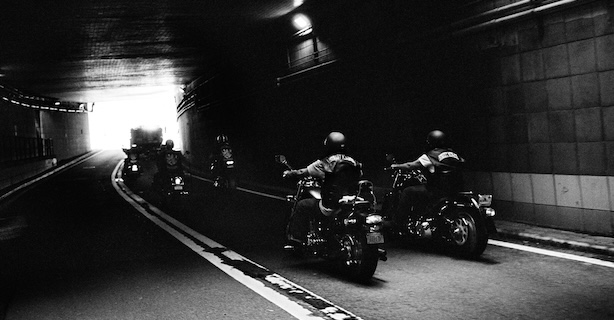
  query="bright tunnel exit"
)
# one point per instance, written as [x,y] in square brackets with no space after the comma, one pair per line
[111,121]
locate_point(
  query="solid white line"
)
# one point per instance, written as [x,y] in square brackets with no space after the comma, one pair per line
[490,241]
[258,287]
[31,182]
[552,253]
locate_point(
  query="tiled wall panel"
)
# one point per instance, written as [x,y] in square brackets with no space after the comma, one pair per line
[591,158]
[595,192]
[606,88]
[568,193]
[521,188]
[604,49]
[555,61]
[585,90]
[502,186]
[543,189]
[582,56]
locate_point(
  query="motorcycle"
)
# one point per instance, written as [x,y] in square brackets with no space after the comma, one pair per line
[351,236]
[223,169]
[132,167]
[171,182]
[461,221]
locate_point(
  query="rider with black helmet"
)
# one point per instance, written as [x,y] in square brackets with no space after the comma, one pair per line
[169,161]
[222,163]
[335,154]
[442,168]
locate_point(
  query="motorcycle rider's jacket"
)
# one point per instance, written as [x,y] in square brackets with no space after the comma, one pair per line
[170,161]
[340,174]
[445,175]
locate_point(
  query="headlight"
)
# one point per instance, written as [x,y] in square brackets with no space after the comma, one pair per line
[178,180]
[485,200]
[490,212]
[374,219]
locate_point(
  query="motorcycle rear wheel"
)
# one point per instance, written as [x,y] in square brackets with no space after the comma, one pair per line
[468,234]
[358,259]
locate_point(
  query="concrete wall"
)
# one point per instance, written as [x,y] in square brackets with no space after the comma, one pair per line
[551,114]
[26,118]
[70,132]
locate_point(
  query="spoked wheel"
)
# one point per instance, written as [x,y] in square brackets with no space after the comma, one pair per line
[358,260]
[468,235]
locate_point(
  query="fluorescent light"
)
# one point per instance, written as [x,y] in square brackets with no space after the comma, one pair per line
[301,21]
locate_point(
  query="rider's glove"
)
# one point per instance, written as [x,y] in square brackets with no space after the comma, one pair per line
[289,173]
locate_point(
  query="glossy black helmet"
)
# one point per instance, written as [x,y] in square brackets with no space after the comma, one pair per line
[334,143]
[170,144]
[222,138]
[436,139]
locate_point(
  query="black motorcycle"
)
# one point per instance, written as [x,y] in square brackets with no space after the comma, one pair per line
[170,180]
[132,165]
[223,169]
[461,221]
[351,236]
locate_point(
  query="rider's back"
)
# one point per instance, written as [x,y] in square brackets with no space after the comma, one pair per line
[341,181]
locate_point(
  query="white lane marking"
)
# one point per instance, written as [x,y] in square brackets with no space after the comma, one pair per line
[262,194]
[490,241]
[244,190]
[31,182]
[268,293]
[552,253]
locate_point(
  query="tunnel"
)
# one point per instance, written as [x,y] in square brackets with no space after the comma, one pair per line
[524,89]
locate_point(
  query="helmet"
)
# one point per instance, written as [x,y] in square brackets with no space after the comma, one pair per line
[169,144]
[222,138]
[436,139]
[334,143]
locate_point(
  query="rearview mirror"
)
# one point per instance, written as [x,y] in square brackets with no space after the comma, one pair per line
[390,158]
[280,158]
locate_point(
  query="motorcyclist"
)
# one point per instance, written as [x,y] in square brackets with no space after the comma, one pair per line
[222,162]
[442,168]
[328,169]
[132,156]
[169,162]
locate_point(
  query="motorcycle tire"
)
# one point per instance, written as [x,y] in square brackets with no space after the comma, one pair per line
[358,260]
[468,234]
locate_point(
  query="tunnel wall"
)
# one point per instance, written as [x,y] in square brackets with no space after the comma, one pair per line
[528,104]
[36,134]
[550,111]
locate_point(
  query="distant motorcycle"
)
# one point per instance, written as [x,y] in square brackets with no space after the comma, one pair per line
[132,165]
[462,221]
[170,179]
[351,236]
[223,169]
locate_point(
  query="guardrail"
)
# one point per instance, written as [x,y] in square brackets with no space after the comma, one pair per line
[16,149]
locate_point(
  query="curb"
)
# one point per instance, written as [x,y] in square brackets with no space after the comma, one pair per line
[555,242]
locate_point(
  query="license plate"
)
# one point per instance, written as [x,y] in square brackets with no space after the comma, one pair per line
[178,188]
[375,238]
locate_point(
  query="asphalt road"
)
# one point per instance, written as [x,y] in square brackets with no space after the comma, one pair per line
[89,254]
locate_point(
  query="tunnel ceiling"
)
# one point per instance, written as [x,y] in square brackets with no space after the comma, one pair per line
[101,50]
[85,50]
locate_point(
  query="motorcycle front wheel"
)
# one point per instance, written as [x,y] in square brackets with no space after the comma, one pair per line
[468,234]
[358,260]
